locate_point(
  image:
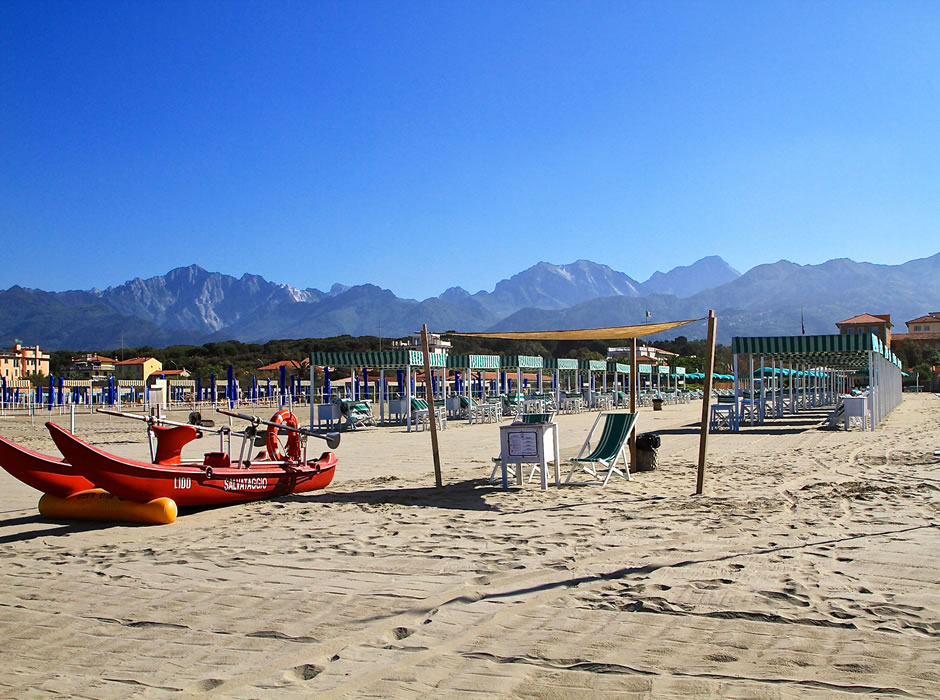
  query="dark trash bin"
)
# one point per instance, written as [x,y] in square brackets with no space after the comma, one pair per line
[646,447]
[657,404]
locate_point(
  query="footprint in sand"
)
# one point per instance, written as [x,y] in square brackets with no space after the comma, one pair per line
[304,672]
[204,686]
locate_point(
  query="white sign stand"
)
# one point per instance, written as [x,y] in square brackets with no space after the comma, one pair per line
[529,443]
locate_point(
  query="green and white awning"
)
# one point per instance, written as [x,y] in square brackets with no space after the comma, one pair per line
[618,367]
[391,359]
[521,362]
[845,351]
[562,364]
[592,365]
[473,362]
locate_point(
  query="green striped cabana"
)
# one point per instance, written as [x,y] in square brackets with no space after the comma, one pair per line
[589,368]
[618,369]
[382,361]
[468,364]
[819,369]
[642,369]
[661,371]
[679,374]
[557,365]
[520,363]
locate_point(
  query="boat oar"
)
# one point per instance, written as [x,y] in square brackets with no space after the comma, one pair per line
[332,439]
[153,420]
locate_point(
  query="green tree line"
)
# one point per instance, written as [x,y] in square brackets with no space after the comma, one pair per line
[246,358]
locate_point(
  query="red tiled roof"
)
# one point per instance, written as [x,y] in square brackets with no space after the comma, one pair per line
[929,318]
[93,358]
[133,361]
[867,319]
[290,364]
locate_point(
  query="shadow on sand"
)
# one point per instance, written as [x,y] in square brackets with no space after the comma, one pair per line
[51,528]
[461,495]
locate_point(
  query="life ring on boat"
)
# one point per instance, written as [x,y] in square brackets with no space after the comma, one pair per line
[286,418]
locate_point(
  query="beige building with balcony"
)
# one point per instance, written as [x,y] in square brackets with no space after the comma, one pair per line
[436,343]
[91,366]
[923,329]
[19,362]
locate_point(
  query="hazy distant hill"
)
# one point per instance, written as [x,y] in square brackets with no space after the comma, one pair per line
[547,286]
[360,310]
[193,299]
[768,300]
[191,305]
[691,279]
[72,321]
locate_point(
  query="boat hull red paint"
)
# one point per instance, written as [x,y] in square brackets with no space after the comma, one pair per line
[190,485]
[44,473]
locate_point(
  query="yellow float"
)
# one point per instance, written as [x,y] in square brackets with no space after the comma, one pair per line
[98,504]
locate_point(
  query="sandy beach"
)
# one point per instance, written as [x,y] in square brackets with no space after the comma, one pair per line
[808,569]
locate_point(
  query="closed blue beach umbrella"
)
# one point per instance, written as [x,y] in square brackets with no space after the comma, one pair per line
[51,391]
[111,389]
[365,382]
[212,388]
[230,386]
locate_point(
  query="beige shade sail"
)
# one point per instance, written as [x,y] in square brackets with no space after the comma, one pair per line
[611,333]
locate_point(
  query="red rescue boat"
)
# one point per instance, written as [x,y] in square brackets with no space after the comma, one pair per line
[50,475]
[56,477]
[214,482]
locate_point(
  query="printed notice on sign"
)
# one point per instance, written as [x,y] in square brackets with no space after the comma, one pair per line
[523,444]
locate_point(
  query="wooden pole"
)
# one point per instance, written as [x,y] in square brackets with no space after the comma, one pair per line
[432,410]
[706,400]
[633,397]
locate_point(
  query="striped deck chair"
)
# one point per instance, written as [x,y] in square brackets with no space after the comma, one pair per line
[421,414]
[611,446]
[356,413]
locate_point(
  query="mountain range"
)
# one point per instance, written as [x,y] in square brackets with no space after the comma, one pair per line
[191,305]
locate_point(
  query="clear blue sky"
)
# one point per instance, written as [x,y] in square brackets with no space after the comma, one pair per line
[421,145]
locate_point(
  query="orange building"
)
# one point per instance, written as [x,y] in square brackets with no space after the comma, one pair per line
[19,362]
[867,324]
[923,329]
